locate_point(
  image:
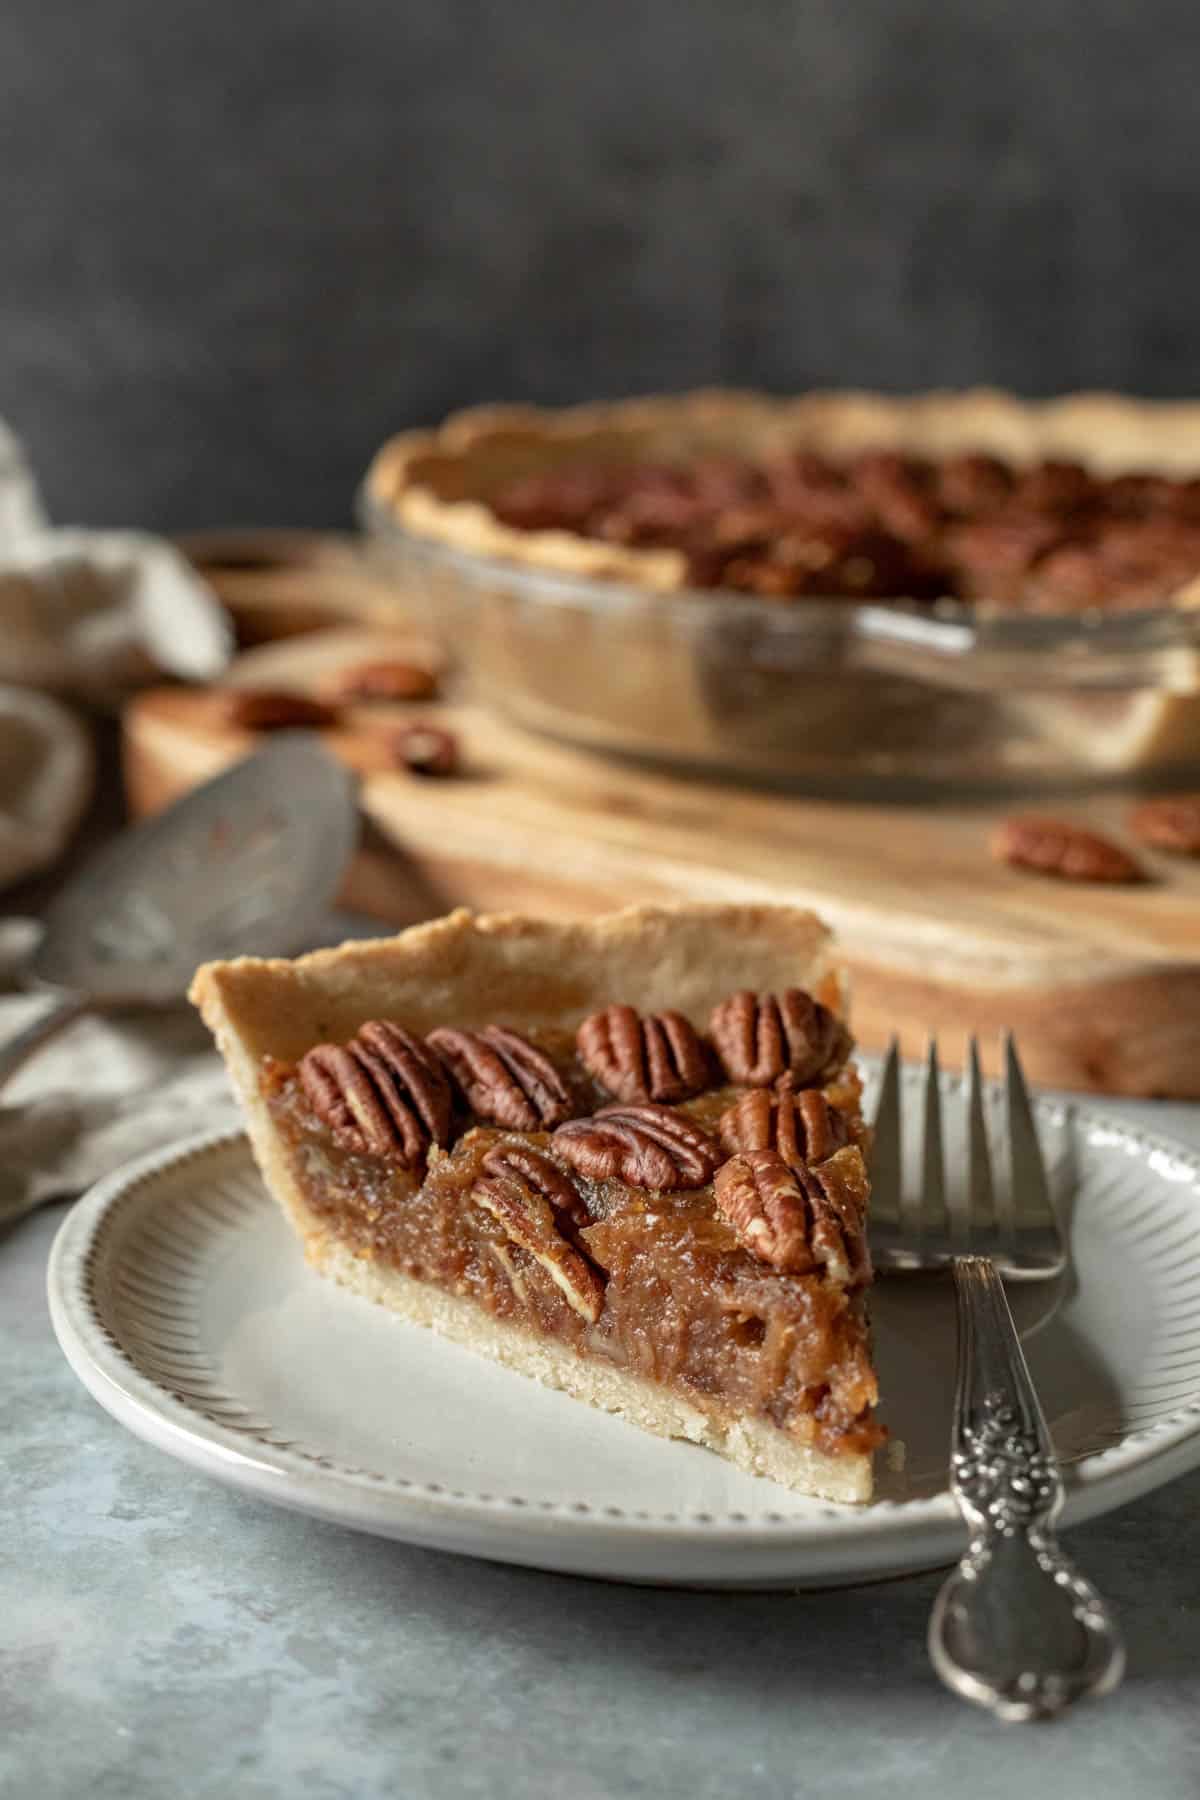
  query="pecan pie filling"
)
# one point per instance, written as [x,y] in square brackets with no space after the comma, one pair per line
[1049,537]
[689,1205]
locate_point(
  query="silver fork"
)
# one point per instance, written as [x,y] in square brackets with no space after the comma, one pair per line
[1015,1627]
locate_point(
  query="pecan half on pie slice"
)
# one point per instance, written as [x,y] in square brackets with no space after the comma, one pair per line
[660,1206]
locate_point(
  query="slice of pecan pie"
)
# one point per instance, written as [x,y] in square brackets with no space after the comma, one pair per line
[623,1156]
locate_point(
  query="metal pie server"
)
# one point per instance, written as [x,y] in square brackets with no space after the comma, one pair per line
[248,864]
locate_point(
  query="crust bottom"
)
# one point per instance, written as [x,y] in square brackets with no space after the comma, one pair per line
[749,1444]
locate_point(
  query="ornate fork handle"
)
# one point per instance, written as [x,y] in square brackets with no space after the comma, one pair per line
[1016,1627]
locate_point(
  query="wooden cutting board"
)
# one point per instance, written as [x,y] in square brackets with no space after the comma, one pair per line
[280,584]
[1101,984]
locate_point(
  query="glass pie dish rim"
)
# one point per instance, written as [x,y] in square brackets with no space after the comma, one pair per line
[947,629]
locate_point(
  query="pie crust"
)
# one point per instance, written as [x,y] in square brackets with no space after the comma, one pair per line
[438,483]
[535,976]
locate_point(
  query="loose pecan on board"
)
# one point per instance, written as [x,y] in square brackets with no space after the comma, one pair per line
[388,679]
[1056,847]
[277,709]
[424,749]
[1170,823]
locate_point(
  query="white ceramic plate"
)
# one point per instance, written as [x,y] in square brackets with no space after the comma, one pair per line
[183,1304]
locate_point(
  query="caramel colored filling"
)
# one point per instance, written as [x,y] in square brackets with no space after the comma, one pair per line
[1054,537]
[677,1298]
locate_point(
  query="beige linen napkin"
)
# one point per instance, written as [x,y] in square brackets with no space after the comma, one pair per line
[104,1090]
[101,1093]
[107,1088]
[84,615]
[46,776]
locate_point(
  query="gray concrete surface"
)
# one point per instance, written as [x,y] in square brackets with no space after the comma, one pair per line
[161,1636]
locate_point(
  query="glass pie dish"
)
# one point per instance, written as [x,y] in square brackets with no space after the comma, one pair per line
[817,692]
[707,579]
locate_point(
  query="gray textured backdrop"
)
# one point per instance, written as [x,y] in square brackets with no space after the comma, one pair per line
[239,243]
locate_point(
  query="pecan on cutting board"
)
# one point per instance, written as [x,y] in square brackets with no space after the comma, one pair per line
[1056,847]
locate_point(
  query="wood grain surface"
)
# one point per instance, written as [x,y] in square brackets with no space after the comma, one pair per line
[1101,983]
[279,584]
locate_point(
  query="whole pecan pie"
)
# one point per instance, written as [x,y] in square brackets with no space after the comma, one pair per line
[1090,502]
[623,1156]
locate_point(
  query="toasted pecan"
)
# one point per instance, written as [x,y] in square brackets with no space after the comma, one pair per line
[802,1127]
[277,709]
[1056,847]
[645,1146]
[1169,823]
[383,1094]
[760,1037]
[527,1193]
[637,1059]
[386,679]
[799,1219]
[504,1078]
[761,1196]
[424,749]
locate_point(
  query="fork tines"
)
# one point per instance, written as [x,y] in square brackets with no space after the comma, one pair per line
[1013,1222]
